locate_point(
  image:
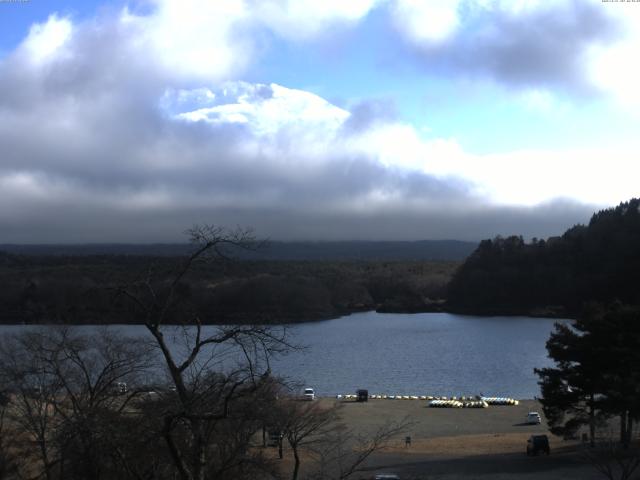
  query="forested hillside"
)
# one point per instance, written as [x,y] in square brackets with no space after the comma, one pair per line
[83,288]
[445,250]
[597,262]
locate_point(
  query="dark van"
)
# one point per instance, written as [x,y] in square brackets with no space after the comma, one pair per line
[362,395]
[537,444]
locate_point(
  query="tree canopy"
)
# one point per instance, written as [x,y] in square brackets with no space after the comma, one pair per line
[597,262]
[597,372]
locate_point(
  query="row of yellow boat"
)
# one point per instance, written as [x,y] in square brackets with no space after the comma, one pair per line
[458,404]
[452,402]
[500,401]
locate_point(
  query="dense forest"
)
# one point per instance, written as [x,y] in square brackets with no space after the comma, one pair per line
[599,262]
[84,288]
[436,250]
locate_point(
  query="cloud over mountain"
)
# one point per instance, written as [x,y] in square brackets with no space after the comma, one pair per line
[132,126]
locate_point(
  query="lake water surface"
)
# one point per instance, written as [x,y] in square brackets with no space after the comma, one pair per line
[413,354]
[423,354]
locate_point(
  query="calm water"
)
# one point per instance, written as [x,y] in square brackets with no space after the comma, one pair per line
[414,354]
[431,354]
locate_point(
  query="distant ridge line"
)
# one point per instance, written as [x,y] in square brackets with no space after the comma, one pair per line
[441,250]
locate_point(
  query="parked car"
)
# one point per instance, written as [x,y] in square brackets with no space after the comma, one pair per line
[533,418]
[386,476]
[537,444]
[362,395]
[309,394]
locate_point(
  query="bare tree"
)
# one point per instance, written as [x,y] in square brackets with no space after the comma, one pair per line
[613,459]
[305,424]
[217,368]
[63,400]
[314,432]
[343,452]
[7,463]
[33,395]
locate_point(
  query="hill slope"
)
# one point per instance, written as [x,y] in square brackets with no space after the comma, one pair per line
[597,262]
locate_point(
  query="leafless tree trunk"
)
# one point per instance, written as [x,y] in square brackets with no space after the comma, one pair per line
[7,463]
[612,459]
[305,424]
[63,388]
[335,452]
[344,452]
[592,420]
[203,400]
[33,397]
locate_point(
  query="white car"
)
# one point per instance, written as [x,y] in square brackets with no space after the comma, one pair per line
[533,418]
[309,394]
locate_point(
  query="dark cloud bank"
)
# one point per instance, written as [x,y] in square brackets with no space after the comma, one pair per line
[78,224]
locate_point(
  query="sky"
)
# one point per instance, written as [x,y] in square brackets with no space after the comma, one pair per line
[131,121]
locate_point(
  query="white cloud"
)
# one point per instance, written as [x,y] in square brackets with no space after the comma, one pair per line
[427,20]
[527,44]
[302,19]
[212,41]
[194,38]
[132,118]
[519,7]
[289,123]
[312,128]
[533,177]
[611,66]
[45,40]
[400,145]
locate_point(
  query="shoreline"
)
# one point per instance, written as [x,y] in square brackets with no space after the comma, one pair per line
[315,319]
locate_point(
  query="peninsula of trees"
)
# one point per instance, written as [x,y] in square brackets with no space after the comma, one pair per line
[79,289]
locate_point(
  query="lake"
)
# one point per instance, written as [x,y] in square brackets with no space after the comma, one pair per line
[413,354]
